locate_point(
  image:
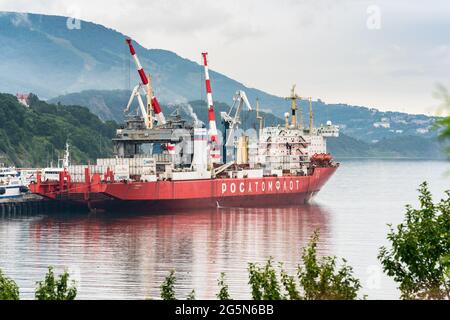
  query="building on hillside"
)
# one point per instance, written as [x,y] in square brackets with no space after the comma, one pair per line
[384,123]
[23,98]
[422,130]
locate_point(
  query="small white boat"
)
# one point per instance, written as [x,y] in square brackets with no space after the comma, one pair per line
[11,185]
[14,182]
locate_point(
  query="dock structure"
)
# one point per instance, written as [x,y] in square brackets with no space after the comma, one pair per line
[28,204]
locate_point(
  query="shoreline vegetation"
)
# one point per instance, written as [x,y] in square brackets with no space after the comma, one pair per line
[418,259]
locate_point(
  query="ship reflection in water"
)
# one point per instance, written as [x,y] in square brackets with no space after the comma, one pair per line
[127,256]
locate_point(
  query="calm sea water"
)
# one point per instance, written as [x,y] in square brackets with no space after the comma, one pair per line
[127,256]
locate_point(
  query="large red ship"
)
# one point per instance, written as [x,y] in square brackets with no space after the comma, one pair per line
[168,164]
[97,193]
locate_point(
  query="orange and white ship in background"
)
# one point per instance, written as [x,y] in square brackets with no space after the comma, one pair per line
[162,164]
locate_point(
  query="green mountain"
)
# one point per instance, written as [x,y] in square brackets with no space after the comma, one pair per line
[36,135]
[41,54]
[37,46]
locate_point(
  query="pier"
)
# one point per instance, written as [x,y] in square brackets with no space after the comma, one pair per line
[28,204]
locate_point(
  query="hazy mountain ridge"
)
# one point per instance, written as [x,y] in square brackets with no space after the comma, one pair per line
[357,122]
[41,55]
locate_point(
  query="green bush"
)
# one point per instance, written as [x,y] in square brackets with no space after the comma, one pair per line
[263,281]
[223,291]
[191,296]
[8,288]
[419,256]
[55,289]
[168,287]
[321,280]
[317,279]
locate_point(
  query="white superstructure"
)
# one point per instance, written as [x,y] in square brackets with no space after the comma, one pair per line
[317,142]
[289,148]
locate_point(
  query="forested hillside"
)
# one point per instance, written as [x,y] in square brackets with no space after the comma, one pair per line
[36,135]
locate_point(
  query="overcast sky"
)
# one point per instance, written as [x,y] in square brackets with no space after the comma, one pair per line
[384,54]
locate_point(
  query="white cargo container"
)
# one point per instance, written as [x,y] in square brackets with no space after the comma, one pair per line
[254,173]
[190,175]
[122,172]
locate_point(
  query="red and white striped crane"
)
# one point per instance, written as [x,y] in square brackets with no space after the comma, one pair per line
[213,136]
[151,99]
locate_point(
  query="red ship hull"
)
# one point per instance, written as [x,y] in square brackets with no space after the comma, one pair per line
[190,194]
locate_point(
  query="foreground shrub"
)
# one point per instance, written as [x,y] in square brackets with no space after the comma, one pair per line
[168,287]
[419,254]
[316,279]
[223,288]
[8,288]
[55,289]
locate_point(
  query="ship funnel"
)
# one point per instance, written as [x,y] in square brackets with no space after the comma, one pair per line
[242,150]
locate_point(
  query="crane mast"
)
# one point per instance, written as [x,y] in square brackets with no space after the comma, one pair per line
[231,120]
[239,99]
[152,102]
[213,137]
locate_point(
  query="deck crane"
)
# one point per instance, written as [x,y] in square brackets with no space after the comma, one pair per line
[230,120]
[146,112]
[145,85]
[294,97]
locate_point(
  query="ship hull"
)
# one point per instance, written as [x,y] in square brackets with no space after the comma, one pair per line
[115,205]
[162,196]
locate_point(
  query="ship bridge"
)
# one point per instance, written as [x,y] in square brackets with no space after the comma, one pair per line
[135,139]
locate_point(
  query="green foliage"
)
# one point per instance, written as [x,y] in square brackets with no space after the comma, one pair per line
[55,289]
[263,281]
[446,263]
[419,256]
[223,292]
[36,135]
[168,287]
[443,124]
[289,285]
[317,279]
[8,288]
[191,295]
[321,280]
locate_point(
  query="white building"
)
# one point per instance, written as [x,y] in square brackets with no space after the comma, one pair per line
[23,98]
